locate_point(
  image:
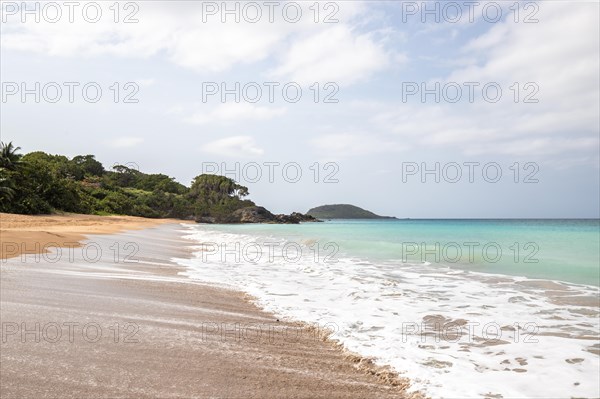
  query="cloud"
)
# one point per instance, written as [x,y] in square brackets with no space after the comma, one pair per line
[540,146]
[85,39]
[341,145]
[176,30]
[564,66]
[145,82]
[335,55]
[126,142]
[235,146]
[183,34]
[229,113]
[217,48]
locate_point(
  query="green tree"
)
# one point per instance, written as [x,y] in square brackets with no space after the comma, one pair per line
[219,186]
[42,183]
[117,202]
[89,165]
[214,195]
[10,165]
[151,182]
[123,176]
[9,159]
[6,191]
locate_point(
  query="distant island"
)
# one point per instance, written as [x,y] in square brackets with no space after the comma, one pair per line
[343,211]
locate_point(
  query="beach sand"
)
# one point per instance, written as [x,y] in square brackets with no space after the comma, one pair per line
[36,234]
[113,318]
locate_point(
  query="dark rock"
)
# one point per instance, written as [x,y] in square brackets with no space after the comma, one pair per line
[252,214]
[206,219]
[294,218]
[257,214]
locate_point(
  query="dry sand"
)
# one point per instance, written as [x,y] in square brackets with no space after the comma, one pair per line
[77,325]
[35,234]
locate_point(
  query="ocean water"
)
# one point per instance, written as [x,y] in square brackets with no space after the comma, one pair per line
[464,308]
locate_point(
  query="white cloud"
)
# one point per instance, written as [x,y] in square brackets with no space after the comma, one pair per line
[177,32]
[85,39]
[235,146]
[334,55]
[175,29]
[341,145]
[229,113]
[218,47]
[559,54]
[145,82]
[126,142]
[540,146]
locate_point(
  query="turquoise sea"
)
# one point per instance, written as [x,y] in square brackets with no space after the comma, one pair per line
[521,297]
[556,249]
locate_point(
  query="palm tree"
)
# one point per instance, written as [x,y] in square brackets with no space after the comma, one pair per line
[6,192]
[9,159]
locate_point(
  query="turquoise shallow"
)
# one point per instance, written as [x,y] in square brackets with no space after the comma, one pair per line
[520,295]
[556,249]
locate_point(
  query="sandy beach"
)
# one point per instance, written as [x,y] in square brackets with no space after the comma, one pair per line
[31,234]
[112,317]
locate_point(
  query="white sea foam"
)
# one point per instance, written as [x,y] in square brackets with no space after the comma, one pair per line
[454,333]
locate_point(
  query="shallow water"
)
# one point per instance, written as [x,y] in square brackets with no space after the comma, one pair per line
[469,328]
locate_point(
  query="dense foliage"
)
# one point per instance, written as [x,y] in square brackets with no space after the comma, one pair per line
[42,183]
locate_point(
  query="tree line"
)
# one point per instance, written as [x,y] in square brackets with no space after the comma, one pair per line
[40,183]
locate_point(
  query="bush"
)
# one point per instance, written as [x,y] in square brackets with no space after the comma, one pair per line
[116,202]
[40,183]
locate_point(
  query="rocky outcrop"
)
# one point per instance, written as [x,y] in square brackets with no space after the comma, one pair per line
[252,214]
[257,214]
[294,218]
[207,219]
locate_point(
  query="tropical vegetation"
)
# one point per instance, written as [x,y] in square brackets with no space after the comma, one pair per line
[40,183]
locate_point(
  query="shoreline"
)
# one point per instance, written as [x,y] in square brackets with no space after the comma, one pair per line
[194,339]
[433,324]
[37,234]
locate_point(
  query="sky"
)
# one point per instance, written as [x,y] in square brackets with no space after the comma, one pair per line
[412,109]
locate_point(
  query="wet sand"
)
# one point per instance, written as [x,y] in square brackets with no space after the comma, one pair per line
[112,318]
[31,234]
